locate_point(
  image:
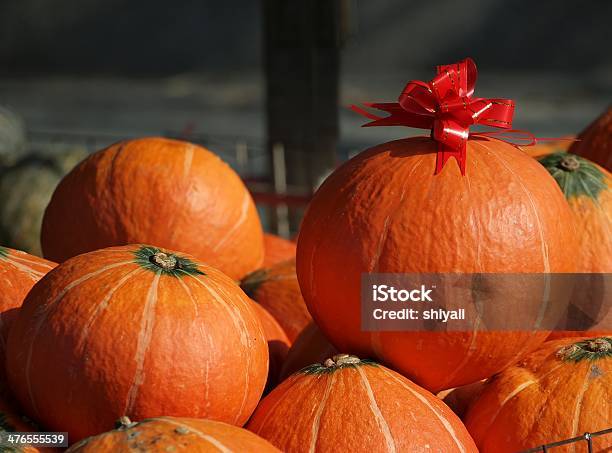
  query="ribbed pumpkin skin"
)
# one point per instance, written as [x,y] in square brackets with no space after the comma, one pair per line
[277,289]
[19,271]
[117,335]
[386,211]
[277,249]
[167,434]
[596,141]
[544,399]
[588,190]
[158,191]
[356,408]
[309,347]
[278,344]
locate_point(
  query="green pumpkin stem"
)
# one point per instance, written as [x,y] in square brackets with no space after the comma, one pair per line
[156,260]
[575,175]
[3,252]
[589,349]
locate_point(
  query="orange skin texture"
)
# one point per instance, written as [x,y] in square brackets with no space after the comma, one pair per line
[185,434]
[541,400]
[593,220]
[278,343]
[19,271]
[596,141]
[168,193]
[277,249]
[309,347]
[386,211]
[364,409]
[277,289]
[115,338]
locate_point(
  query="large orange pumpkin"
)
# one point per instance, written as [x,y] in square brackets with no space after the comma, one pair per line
[595,142]
[136,331]
[309,347]
[277,289]
[158,191]
[278,344]
[385,211]
[352,405]
[277,249]
[167,434]
[19,271]
[560,391]
[588,190]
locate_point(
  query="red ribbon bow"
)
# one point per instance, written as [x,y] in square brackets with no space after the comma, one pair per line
[446,106]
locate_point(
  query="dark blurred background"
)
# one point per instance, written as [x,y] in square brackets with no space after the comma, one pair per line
[242,76]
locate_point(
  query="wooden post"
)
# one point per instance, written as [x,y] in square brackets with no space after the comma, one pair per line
[302,63]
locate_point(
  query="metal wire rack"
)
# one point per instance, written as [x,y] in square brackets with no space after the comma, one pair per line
[586,437]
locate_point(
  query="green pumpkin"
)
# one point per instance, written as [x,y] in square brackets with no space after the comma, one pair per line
[12,137]
[25,190]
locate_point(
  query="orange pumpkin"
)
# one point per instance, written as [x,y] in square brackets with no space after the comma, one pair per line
[560,391]
[167,434]
[309,347]
[19,271]
[278,344]
[277,289]
[595,142]
[588,190]
[277,249]
[352,405]
[169,193]
[136,331]
[384,211]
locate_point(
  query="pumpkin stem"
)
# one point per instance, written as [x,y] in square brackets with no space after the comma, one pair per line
[569,163]
[124,422]
[591,349]
[341,359]
[163,260]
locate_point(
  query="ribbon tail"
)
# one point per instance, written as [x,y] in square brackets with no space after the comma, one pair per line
[445,153]
[364,112]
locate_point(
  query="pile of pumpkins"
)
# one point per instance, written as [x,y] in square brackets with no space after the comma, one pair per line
[163,317]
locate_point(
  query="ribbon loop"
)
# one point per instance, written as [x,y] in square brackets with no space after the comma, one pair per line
[447,107]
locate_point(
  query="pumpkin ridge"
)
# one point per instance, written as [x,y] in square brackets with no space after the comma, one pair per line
[171,264]
[591,349]
[575,175]
[430,407]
